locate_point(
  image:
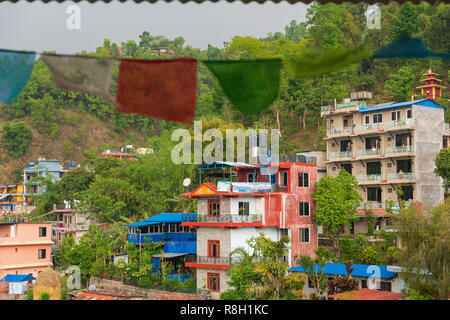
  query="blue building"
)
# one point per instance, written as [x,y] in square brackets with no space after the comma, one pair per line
[179,242]
[46,168]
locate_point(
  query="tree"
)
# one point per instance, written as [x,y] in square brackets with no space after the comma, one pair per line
[425,240]
[342,283]
[337,199]
[263,274]
[400,84]
[295,31]
[16,138]
[314,269]
[442,162]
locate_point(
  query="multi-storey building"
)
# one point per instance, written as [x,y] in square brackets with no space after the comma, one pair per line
[25,248]
[230,213]
[70,222]
[46,168]
[386,146]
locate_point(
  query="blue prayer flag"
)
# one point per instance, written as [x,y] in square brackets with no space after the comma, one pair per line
[15,70]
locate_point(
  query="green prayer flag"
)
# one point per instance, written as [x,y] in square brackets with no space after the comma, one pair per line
[251,86]
[317,62]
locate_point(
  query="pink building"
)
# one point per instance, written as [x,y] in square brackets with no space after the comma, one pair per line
[25,248]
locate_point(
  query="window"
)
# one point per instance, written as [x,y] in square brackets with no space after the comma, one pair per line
[213,281]
[252,177]
[404,165]
[409,113]
[408,192]
[347,167]
[363,284]
[395,115]
[303,179]
[284,178]
[352,228]
[213,208]
[367,120]
[377,118]
[374,194]
[304,235]
[373,168]
[303,208]
[385,286]
[373,142]
[41,253]
[172,227]
[42,231]
[244,208]
[346,145]
[213,248]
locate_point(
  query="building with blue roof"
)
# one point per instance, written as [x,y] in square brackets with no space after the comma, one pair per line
[387,146]
[368,276]
[179,243]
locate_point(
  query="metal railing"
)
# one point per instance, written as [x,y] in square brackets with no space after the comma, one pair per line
[369,152]
[372,205]
[366,127]
[219,260]
[401,176]
[341,154]
[163,237]
[397,123]
[399,149]
[233,218]
[369,177]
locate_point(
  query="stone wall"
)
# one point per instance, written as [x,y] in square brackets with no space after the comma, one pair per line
[150,294]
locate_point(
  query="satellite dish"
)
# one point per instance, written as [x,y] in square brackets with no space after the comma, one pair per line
[92,287]
[186,182]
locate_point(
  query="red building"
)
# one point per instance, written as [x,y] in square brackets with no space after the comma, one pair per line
[231,212]
[431,88]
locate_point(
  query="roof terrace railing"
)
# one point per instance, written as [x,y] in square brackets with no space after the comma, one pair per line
[341,154]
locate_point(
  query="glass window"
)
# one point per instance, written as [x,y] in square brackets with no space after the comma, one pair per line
[214,208]
[213,248]
[42,231]
[303,208]
[213,281]
[377,118]
[304,234]
[42,253]
[367,120]
[409,113]
[243,208]
[395,115]
[303,179]
[374,194]
[373,167]
[284,178]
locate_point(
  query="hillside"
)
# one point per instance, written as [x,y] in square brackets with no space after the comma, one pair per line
[77,131]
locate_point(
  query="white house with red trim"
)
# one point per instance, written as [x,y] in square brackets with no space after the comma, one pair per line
[230,213]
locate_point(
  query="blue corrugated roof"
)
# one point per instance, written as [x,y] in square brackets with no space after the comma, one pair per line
[17,278]
[361,270]
[165,217]
[424,102]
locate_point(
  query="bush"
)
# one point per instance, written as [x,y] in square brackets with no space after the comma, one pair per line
[45,296]
[16,138]
[370,256]
[30,294]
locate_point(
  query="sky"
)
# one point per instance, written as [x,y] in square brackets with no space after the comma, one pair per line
[37,26]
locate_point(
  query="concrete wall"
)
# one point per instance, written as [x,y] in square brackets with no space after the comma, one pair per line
[430,128]
[202,278]
[150,294]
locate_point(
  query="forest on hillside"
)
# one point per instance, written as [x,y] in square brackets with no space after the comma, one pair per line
[62,121]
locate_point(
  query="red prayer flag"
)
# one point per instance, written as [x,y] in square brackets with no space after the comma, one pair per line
[162,89]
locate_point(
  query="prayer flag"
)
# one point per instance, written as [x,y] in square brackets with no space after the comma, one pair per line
[15,71]
[317,62]
[82,73]
[408,48]
[162,89]
[251,86]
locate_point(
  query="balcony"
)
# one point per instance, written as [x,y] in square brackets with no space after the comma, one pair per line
[402,149]
[345,107]
[372,206]
[400,124]
[338,131]
[369,152]
[401,176]
[230,218]
[369,179]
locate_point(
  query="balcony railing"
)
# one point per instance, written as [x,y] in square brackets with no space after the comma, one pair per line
[163,237]
[342,154]
[447,126]
[333,131]
[401,149]
[369,177]
[372,206]
[220,260]
[398,123]
[401,176]
[368,152]
[230,218]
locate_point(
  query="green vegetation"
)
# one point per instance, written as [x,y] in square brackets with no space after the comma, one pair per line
[44,296]
[263,274]
[442,163]
[337,199]
[16,138]
[425,250]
